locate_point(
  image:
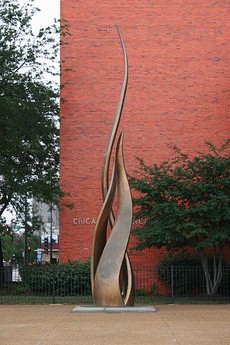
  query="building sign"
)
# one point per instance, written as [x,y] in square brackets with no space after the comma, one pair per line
[90,221]
[84,221]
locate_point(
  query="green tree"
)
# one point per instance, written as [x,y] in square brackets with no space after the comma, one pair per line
[14,247]
[186,204]
[29,109]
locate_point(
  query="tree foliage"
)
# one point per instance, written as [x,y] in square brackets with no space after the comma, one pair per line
[186,203]
[28,107]
[14,247]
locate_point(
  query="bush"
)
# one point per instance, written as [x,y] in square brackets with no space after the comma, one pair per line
[188,274]
[72,278]
[141,292]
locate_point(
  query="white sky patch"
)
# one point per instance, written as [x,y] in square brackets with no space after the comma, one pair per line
[49,11]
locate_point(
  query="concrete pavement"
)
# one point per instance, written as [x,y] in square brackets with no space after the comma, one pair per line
[171,324]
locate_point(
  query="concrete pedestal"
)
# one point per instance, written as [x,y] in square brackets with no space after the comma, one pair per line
[96,309]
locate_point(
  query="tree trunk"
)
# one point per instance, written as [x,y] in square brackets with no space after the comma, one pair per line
[212,279]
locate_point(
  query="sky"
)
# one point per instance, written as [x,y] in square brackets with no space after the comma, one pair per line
[50,9]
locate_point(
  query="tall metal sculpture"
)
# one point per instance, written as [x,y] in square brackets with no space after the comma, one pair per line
[111,272]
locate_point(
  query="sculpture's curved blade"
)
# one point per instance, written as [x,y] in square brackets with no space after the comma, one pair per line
[107,290]
[99,238]
[111,272]
[107,157]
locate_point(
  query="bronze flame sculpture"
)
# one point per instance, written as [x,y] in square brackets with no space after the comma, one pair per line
[111,272]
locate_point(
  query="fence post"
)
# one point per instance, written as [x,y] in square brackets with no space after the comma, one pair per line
[172,283]
[53,284]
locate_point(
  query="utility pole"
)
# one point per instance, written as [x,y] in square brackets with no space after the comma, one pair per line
[26,233]
[51,233]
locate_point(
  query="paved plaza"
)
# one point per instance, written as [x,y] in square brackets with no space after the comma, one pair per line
[170,324]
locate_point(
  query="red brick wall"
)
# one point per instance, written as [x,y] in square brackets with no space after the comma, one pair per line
[178,93]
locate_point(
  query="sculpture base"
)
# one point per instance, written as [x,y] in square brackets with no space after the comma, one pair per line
[113,310]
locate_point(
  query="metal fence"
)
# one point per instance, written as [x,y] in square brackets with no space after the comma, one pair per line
[61,284]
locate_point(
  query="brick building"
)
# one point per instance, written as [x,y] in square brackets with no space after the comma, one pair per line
[178,94]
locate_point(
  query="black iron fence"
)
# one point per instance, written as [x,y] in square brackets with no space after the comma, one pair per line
[65,284]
